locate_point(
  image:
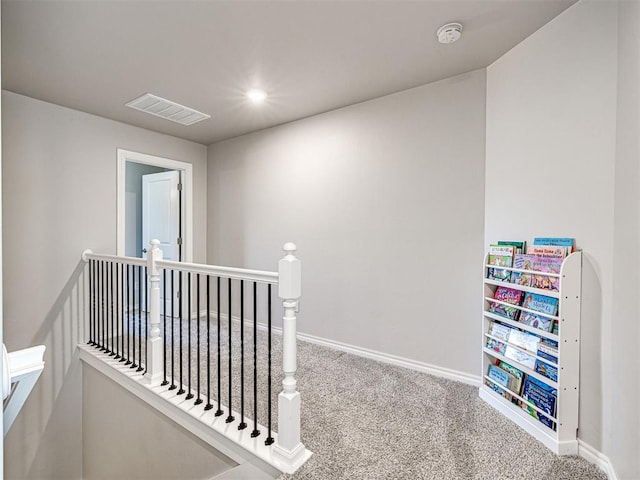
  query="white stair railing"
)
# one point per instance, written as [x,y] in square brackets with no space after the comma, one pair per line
[284,450]
[21,370]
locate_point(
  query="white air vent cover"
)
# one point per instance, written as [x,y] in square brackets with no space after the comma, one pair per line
[167,109]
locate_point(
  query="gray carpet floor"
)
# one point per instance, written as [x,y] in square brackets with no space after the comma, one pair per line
[368,420]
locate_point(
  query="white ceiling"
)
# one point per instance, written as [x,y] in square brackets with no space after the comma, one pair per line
[310,56]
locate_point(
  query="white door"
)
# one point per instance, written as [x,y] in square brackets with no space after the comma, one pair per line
[161,217]
[161,212]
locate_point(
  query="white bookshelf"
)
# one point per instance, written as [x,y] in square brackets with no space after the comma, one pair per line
[564,439]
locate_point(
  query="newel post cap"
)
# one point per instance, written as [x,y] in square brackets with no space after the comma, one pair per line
[289,274]
[85,253]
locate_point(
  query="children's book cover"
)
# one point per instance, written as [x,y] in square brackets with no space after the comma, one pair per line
[524,340]
[500,376]
[546,264]
[501,255]
[520,246]
[536,321]
[507,295]
[548,349]
[541,303]
[496,346]
[566,242]
[517,374]
[521,278]
[546,369]
[499,330]
[540,394]
[547,251]
[524,261]
[521,357]
[545,282]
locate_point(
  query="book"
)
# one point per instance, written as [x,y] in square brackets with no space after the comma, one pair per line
[500,256]
[498,375]
[547,251]
[520,357]
[507,295]
[517,374]
[496,346]
[499,330]
[499,390]
[546,369]
[524,340]
[520,246]
[545,282]
[566,242]
[548,349]
[541,303]
[521,278]
[546,264]
[536,321]
[541,396]
[524,261]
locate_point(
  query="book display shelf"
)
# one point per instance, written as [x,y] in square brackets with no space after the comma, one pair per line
[531,368]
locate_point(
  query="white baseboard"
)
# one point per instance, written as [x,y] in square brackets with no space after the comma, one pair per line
[598,458]
[435,370]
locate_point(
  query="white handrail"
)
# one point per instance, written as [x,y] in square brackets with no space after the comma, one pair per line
[22,368]
[288,451]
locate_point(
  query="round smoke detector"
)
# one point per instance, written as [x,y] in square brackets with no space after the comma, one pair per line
[449,33]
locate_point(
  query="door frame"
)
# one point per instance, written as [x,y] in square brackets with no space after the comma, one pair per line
[186,169]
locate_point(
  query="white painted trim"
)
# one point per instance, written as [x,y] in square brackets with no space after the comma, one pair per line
[187,180]
[598,458]
[455,375]
[225,437]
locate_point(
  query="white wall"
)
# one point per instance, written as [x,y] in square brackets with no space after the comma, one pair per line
[551,171]
[385,202]
[125,439]
[59,198]
[623,446]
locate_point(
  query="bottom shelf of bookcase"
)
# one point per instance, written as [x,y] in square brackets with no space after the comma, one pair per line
[531,425]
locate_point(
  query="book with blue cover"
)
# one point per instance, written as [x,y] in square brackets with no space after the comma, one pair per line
[541,396]
[541,303]
[537,321]
[548,349]
[546,369]
[557,241]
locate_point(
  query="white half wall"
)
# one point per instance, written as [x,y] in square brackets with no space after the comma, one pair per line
[59,198]
[385,202]
[551,170]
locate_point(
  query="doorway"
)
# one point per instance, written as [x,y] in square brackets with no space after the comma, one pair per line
[146,179]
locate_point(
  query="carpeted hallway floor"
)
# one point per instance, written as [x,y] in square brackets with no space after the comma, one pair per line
[368,420]
[365,420]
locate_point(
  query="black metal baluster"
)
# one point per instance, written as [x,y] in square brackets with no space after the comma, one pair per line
[136,298]
[104,305]
[180,273]
[141,290]
[173,296]
[123,304]
[164,337]
[208,406]
[190,394]
[219,411]
[242,425]
[90,342]
[117,348]
[111,354]
[198,400]
[255,432]
[230,418]
[146,320]
[129,300]
[108,307]
[269,439]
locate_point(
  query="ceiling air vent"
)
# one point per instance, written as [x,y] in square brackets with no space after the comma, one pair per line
[167,109]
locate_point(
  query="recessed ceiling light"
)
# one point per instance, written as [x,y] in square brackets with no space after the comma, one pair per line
[256,95]
[449,33]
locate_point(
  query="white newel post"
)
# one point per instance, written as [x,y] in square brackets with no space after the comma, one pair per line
[154,344]
[288,449]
